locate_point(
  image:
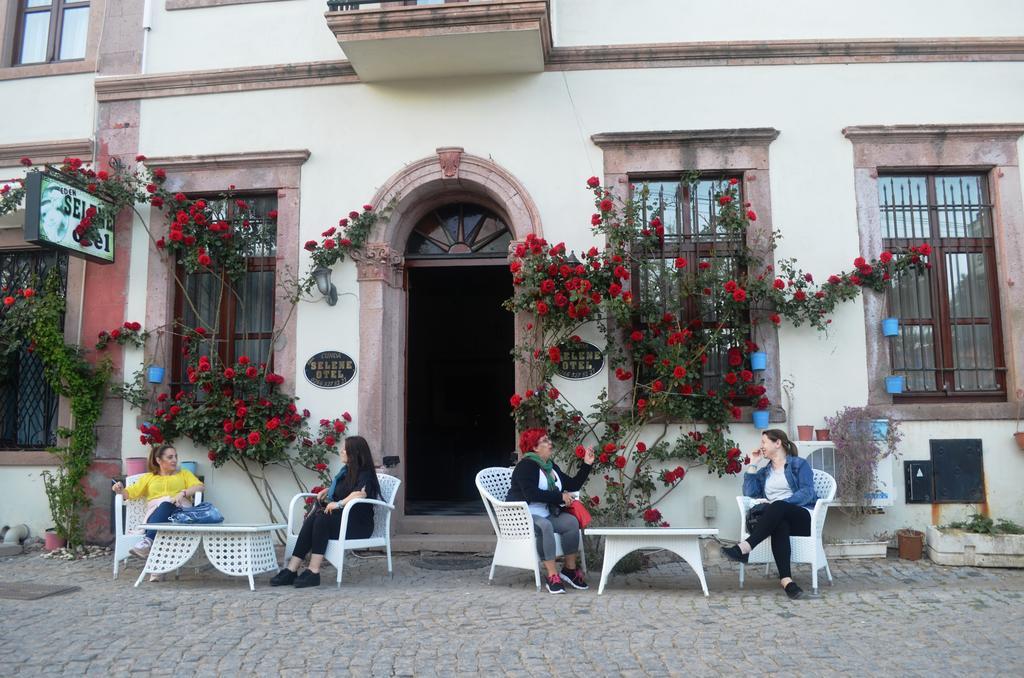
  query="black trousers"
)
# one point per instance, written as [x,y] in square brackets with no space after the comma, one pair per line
[780,521]
[317,529]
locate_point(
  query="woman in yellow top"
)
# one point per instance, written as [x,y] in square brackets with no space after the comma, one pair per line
[166,489]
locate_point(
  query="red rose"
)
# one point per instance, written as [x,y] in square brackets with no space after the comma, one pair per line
[321,467]
[620,462]
[603,458]
[739,295]
[329,441]
[580,451]
[329,232]
[229,427]
[329,244]
[799,295]
[779,284]
[27,162]
[752,215]
[679,372]
[310,245]
[925,249]
[730,378]
[652,515]
[211,455]
[229,373]
[553,393]
[175,410]
[593,182]
[254,438]
[243,360]
[724,200]
[641,447]
[353,215]
[680,262]
[8,301]
[554,354]
[605,205]
[240,444]
[115,333]
[344,415]
[339,426]
[367,208]
[241,411]
[859,262]
[251,372]
[516,400]
[273,423]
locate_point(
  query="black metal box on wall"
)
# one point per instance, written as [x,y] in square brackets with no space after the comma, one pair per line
[920,485]
[955,474]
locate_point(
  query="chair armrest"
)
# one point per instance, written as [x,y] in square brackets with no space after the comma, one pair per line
[291,508]
[118,515]
[348,507]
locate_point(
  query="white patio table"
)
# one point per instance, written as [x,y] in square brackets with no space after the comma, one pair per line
[621,541]
[236,549]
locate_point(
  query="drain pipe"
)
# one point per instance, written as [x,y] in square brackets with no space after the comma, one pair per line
[15,535]
[147,26]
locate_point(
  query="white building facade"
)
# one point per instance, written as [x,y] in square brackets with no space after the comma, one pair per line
[502,109]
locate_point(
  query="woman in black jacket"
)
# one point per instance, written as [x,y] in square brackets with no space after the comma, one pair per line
[538,481]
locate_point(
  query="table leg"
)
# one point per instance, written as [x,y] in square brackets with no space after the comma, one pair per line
[241,554]
[689,550]
[170,550]
[613,553]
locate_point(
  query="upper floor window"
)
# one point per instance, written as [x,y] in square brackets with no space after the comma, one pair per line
[238,315]
[950,341]
[689,213]
[50,30]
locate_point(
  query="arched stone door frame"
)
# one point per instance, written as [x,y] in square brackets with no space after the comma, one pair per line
[449,176]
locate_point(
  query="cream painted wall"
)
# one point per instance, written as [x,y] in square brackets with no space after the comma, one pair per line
[613,22]
[240,35]
[538,127]
[46,109]
[24,499]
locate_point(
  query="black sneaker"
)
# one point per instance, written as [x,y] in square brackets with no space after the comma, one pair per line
[734,553]
[793,591]
[307,579]
[283,578]
[554,584]
[574,578]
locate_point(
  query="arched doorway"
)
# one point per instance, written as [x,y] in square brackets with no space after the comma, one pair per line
[459,369]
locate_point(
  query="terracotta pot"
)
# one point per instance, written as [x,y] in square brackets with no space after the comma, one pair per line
[1019,437]
[911,544]
[805,433]
[822,434]
[51,542]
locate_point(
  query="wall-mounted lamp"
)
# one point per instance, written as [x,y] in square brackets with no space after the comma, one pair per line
[322,276]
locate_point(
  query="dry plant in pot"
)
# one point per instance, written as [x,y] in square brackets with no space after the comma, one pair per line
[860,447]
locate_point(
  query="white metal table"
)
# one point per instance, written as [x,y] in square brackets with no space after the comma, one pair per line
[236,549]
[621,541]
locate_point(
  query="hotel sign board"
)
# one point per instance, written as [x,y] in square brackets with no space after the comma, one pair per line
[53,209]
[330,369]
[580,360]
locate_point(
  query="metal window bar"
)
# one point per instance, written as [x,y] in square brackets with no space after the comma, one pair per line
[955,305]
[28,406]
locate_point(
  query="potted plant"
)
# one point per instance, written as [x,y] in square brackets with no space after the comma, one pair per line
[890,327]
[858,451]
[805,432]
[822,434]
[910,543]
[977,542]
[895,383]
[1019,435]
[857,548]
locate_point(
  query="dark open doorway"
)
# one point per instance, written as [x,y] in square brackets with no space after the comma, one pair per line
[460,375]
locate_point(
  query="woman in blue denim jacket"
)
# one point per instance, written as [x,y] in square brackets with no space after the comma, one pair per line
[786,485]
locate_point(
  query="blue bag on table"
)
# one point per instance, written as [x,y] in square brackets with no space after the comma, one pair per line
[203,512]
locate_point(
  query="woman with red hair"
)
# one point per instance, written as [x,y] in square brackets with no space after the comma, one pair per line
[538,481]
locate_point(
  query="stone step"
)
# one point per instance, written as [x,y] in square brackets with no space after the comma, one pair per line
[445,543]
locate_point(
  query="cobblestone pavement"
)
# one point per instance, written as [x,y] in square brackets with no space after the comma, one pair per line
[882,617]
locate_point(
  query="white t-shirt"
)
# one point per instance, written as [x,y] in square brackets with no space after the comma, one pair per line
[776,486]
[541,509]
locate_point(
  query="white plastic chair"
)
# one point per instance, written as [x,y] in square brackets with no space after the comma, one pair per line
[128,515]
[381,535]
[804,549]
[517,542]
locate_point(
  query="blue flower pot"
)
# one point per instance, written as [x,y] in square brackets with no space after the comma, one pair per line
[189,466]
[880,429]
[155,375]
[895,384]
[758,361]
[890,327]
[761,419]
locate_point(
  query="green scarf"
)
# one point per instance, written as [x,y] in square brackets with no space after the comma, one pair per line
[547,466]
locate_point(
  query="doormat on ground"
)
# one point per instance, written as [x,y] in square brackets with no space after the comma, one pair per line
[17,590]
[448,563]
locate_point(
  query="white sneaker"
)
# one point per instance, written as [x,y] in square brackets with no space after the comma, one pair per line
[142,548]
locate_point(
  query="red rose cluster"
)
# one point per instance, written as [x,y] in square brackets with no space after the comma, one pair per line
[129,333]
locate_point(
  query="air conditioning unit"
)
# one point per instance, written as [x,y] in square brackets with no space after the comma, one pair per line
[823,457]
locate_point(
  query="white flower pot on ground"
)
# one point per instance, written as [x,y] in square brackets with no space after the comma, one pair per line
[957,547]
[856,549]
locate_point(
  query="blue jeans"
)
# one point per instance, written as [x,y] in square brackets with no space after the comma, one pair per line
[160,515]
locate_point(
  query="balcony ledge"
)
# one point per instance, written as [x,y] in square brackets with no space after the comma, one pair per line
[455,39]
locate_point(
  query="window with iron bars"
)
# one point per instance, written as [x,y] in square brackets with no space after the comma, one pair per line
[689,212]
[950,342]
[28,406]
[239,314]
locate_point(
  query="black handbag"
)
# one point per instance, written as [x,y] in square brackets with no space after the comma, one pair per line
[754,516]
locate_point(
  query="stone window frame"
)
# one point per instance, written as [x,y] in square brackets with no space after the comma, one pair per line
[987,148]
[11,71]
[256,172]
[742,152]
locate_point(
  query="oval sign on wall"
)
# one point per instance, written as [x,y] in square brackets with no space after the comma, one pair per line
[330,369]
[580,360]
